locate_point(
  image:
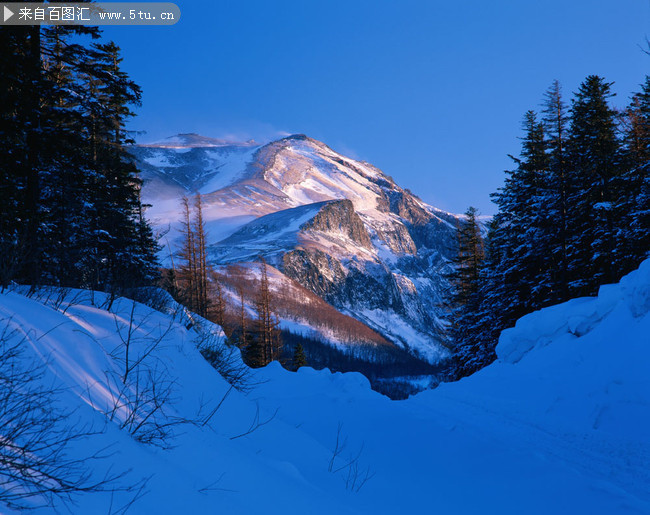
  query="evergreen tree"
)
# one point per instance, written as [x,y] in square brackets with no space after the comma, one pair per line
[13,159]
[633,235]
[594,162]
[469,259]
[467,290]
[299,358]
[555,202]
[514,278]
[60,170]
[517,237]
[573,215]
[121,240]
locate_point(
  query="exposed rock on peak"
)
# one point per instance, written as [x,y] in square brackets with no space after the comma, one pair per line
[339,216]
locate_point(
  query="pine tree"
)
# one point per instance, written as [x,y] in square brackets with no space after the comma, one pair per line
[13,159]
[514,278]
[124,246]
[574,214]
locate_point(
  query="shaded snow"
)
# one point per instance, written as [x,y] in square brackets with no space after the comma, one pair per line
[559,424]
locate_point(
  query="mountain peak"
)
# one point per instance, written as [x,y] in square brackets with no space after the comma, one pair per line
[193,140]
[298,137]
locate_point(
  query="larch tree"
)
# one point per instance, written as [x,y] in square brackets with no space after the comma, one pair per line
[194,269]
[201,268]
[266,346]
[187,259]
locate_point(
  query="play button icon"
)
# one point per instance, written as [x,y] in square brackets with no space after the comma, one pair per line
[7,13]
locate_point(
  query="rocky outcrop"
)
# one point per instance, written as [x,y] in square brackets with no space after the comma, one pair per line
[404,205]
[315,270]
[339,217]
[397,238]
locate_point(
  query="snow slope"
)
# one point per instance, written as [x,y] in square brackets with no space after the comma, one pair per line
[558,424]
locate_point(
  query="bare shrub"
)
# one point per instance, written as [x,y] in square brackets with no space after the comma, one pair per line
[36,468]
[143,388]
[354,474]
[226,359]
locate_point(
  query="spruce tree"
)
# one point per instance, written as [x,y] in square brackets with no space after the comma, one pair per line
[573,215]
[594,162]
[469,259]
[555,202]
[299,358]
[518,235]
[633,236]
[467,295]
[514,278]
[59,169]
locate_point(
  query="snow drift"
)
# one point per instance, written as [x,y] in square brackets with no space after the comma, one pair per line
[558,424]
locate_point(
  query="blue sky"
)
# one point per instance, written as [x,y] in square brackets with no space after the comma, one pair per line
[431,92]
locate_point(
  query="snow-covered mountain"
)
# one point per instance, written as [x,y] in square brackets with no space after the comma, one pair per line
[339,227]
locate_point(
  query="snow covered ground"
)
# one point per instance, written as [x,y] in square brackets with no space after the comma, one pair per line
[559,424]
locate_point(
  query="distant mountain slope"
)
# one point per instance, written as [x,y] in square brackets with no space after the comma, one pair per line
[339,227]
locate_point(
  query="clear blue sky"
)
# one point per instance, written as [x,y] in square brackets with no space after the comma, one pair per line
[431,92]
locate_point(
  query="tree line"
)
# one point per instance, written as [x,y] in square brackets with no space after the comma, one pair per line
[70,207]
[572,215]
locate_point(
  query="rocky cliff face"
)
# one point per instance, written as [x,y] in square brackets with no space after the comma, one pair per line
[339,217]
[340,228]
